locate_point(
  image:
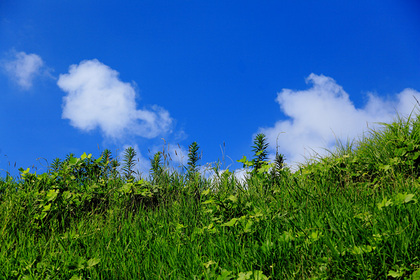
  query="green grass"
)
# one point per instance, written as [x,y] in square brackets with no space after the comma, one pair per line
[351,215]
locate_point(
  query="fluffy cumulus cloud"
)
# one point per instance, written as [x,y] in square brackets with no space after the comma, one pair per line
[318,116]
[23,68]
[97,98]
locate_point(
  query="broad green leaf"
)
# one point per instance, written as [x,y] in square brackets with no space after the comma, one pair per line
[259,275]
[209,263]
[47,207]
[225,275]
[248,226]
[395,274]
[244,275]
[206,192]
[242,160]
[230,223]
[76,277]
[385,203]
[265,168]
[246,162]
[92,262]
[24,171]
[402,198]
[52,195]
[84,156]
[73,160]
[358,250]
[409,197]
[233,198]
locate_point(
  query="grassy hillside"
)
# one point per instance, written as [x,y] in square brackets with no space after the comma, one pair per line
[351,215]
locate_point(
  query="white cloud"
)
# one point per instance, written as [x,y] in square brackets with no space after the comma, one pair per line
[319,115]
[23,68]
[96,97]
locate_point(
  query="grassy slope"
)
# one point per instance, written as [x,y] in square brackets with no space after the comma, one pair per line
[351,215]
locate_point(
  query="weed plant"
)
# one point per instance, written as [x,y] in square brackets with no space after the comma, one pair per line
[351,215]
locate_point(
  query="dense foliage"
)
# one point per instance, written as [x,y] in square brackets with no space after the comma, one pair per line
[351,215]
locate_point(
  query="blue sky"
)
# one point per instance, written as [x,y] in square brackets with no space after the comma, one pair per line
[82,76]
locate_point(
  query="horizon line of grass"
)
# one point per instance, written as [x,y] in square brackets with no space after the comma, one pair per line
[353,214]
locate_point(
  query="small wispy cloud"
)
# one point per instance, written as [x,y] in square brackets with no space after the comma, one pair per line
[23,68]
[97,98]
[318,116]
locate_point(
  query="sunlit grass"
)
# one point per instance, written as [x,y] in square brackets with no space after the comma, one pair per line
[351,215]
